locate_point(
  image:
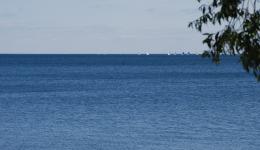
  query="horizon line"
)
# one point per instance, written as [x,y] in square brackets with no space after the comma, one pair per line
[100,54]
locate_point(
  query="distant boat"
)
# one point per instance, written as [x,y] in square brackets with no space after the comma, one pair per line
[147,54]
[169,54]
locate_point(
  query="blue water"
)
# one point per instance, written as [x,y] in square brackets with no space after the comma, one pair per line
[127,102]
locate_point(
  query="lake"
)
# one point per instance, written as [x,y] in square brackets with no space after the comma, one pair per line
[127,102]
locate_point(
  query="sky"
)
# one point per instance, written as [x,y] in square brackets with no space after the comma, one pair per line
[98,26]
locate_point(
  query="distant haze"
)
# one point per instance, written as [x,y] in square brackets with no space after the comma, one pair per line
[98,26]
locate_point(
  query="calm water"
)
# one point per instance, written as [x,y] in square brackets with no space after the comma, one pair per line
[126,102]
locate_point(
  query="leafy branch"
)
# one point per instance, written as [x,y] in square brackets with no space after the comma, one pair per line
[240,34]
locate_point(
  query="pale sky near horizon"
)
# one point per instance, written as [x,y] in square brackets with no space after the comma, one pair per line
[98,26]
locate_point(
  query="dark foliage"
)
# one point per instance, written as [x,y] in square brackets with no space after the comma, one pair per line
[239,21]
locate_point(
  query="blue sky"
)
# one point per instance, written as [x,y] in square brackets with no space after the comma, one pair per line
[98,26]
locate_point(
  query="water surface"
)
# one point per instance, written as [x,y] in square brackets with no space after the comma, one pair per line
[126,102]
